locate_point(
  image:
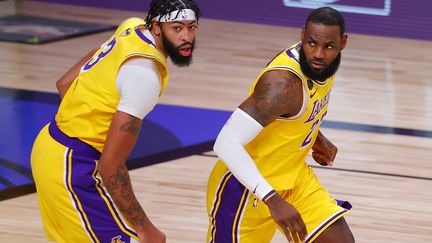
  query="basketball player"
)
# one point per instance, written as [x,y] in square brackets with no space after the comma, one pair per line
[78,160]
[262,181]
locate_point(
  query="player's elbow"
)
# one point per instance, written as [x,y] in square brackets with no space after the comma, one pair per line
[226,147]
[61,87]
[221,145]
[218,146]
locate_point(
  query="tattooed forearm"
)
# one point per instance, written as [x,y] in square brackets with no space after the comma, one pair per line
[120,189]
[132,126]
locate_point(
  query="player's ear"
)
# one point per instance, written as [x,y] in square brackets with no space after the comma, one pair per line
[344,41]
[302,33]
[156,28]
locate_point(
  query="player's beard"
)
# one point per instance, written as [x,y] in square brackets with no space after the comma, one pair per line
[174,52]
[324,74]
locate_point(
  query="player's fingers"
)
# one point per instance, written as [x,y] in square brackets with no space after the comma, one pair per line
[300,228]
[332,153]
[294,235]
[319,158]
[287,233]
[316,157]
[326,159]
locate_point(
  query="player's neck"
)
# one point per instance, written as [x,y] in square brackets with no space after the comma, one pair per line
[157,41]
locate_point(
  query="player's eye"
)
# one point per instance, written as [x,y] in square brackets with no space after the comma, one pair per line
[176,28]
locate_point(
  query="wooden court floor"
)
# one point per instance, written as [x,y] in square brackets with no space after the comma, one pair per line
[383,82]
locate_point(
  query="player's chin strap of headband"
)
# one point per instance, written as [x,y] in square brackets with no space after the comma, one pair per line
[177,15]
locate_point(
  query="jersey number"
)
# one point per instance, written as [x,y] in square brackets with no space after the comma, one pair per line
[106,48]
[308,138]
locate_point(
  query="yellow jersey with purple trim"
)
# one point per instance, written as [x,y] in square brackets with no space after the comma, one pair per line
[281,148]
[89,104]
[279,151]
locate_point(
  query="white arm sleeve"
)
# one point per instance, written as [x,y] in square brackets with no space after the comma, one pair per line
[138,83]
[239,130]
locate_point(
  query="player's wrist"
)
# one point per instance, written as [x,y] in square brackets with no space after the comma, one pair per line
[271,197]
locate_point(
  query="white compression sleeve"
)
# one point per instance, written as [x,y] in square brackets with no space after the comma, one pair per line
[239,130]
[138,83]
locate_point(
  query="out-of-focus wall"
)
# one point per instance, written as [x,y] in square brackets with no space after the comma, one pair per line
[398,18]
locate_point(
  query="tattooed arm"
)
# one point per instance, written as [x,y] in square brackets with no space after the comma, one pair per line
[121,139]
[278,93]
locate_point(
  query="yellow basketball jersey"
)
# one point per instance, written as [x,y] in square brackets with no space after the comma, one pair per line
[281,148]
[89,104]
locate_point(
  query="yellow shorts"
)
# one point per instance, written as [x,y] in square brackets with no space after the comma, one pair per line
[236,215]
[74,205]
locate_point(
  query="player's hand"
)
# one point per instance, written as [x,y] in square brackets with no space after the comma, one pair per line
[324,151]
[151,234]
[288,218]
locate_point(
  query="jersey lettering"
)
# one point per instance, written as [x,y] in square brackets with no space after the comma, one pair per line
[308,138]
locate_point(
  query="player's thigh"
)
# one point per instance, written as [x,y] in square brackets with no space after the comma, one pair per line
[315,205]
[234,213]
[57,208]
[75,207]
[257,224]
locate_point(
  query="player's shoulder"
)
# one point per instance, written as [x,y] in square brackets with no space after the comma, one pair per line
[287,57]
[293,52]
[129,23]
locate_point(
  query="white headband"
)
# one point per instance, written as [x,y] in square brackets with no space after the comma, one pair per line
[177,15]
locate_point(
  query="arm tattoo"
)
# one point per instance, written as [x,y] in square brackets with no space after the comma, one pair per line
[120,189]
[276,95]
[131,126]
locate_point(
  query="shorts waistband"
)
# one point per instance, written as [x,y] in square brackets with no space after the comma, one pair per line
[73,143]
